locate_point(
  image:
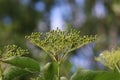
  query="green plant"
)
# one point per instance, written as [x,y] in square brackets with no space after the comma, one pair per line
[111,59]
[19,65]
[56,43]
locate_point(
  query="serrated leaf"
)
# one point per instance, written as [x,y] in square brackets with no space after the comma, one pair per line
[50,71]
[95,75]
[24,62]
[13,73]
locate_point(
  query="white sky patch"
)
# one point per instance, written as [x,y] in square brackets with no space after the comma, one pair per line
[25,2]
[39,6]
[99,10]
[56,19]
[7,20]
[63,8]
[80,2]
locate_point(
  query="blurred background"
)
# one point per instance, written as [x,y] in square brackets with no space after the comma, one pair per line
[102,17]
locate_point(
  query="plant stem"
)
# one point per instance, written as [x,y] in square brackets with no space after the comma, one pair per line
[58,71]
[117,68]
[0,71]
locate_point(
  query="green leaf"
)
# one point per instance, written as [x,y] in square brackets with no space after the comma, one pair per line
[24,62]
[83,75]
[63,78]
[50,71]
[13,73]
[108,75]
[95,75]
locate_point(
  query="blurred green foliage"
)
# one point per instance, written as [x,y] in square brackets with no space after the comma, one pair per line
[29,69]
[24,19]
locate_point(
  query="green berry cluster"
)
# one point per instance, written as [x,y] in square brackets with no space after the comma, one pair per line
[58,43]
[13,50]
[110,59]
